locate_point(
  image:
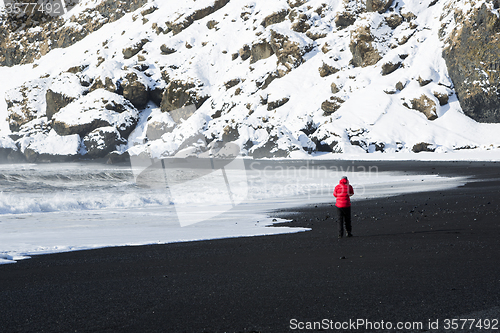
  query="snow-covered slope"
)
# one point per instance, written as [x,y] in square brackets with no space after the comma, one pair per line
[280,78]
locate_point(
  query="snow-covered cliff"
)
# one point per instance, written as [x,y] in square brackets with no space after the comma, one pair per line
[278,78]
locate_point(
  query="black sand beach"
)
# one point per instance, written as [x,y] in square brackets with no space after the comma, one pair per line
[414,258]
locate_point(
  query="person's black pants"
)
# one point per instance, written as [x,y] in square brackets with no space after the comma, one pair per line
[344,220]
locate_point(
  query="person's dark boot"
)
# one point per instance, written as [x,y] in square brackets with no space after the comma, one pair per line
[349,234]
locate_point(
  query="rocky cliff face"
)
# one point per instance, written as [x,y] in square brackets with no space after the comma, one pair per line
[278,79]
[473,59]
[31,32]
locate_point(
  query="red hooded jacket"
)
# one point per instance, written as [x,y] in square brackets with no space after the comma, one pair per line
[343,192]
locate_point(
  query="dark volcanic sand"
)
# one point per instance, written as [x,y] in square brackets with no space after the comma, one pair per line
[414,257]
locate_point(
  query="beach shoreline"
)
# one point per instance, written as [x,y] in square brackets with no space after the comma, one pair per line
[418,257]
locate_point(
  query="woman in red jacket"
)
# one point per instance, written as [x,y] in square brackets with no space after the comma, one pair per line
[343,192]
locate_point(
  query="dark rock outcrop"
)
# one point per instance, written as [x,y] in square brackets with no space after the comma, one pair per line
[332,105]
[135,48]
[425,105]
[15,46]
[275,18]
[245,52]
[276,104]
[63,89]
[135,90]
[23,103]
[102,141]
[334,88]
[423,146]
[55,102]
[95,110]
[231,83]
[326,70]
[179,94]
[390,67]
[363,52]
[290,54]
[186,20]
[302,25]
[261,50]
[165,50]
[394,20]
[472,58]
[378,5]
[269,149]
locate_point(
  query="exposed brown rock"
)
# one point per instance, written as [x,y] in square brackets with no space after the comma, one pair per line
[134,90]
[443,98]
[261,50]
[378,5]
[394,20]
[326,70]
[335,89]
[423,146]
[22,103]
[345,19]
[425,105]
[390,67]
[231,83]
[289,53]
[302,25]
[179,94]
[245,52]
[108,85]
[276,104]
[423,82]
[15,45]
[166,50]
[55,101]
[274,18]
[135,48]
[332,105]
[186,20]
[362,49]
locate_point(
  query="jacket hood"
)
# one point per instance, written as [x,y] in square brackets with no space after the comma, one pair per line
[343,181]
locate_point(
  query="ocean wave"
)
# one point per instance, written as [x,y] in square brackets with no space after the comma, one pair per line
[56,202]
